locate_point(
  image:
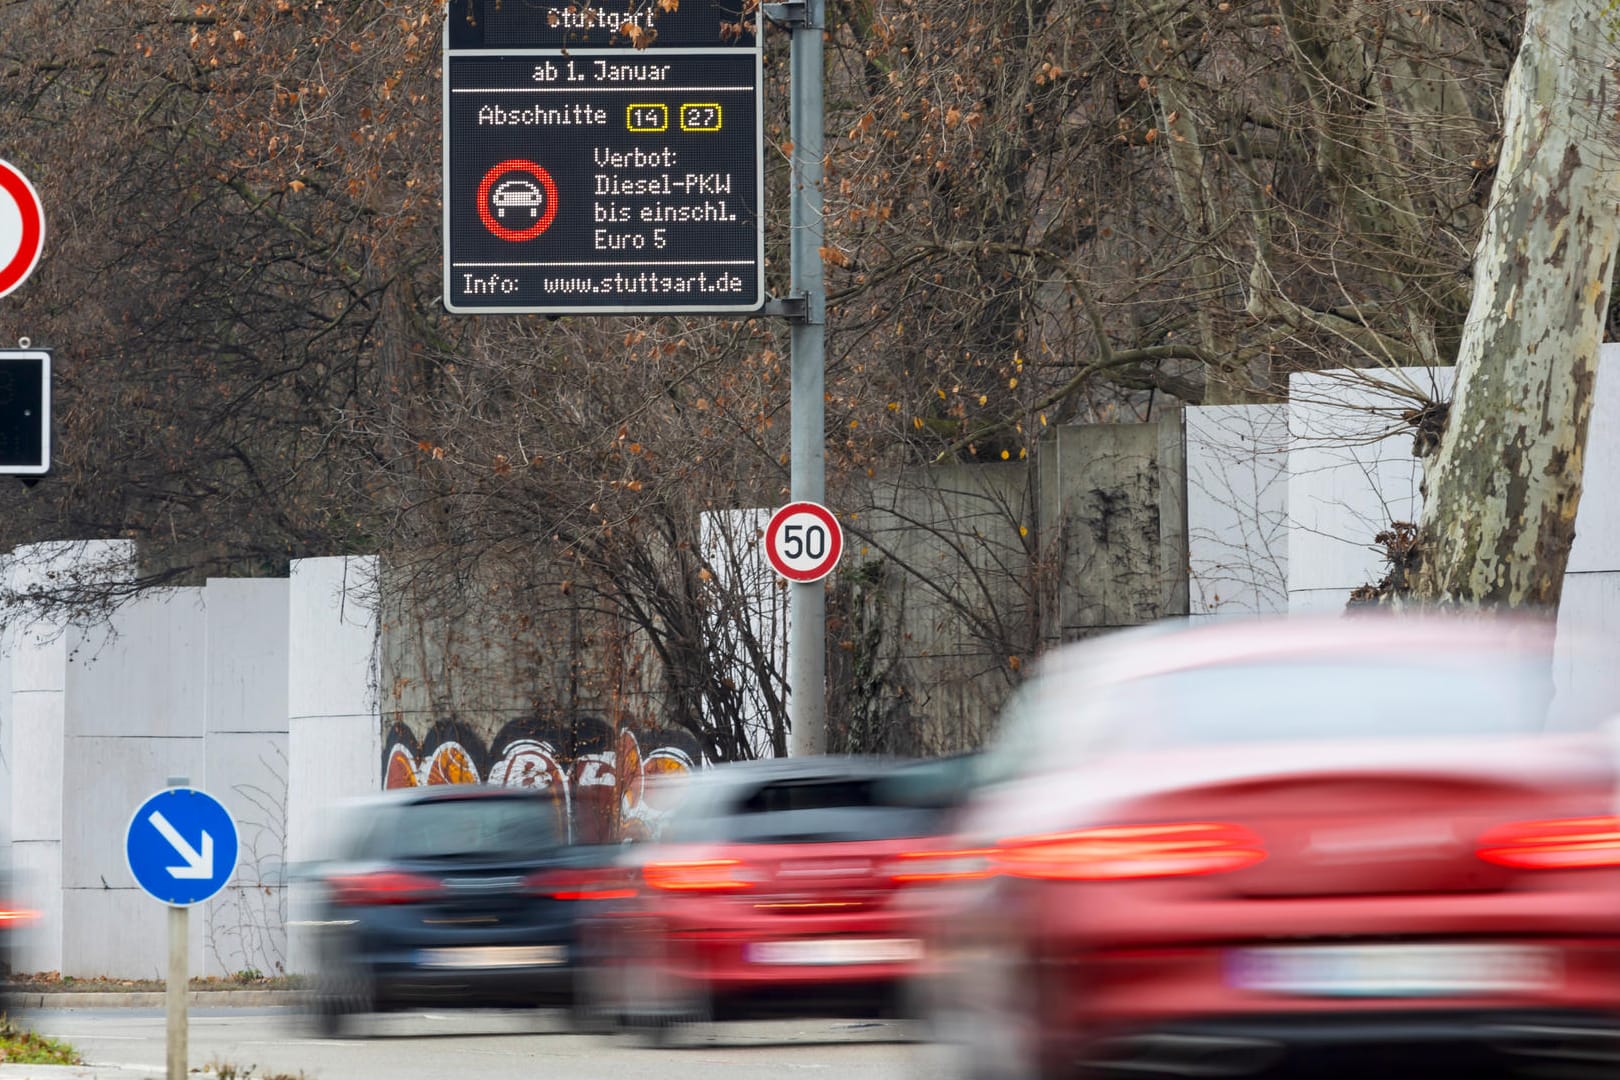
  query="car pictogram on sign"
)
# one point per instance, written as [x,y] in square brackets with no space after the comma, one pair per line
[517,195]
[517,185]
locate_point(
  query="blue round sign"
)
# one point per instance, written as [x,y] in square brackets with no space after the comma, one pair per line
[181,846]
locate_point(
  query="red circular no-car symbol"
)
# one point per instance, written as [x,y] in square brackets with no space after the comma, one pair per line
[803,541]
[22,227]
[517,200]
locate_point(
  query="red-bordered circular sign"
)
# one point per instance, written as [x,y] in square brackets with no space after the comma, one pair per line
[22,227]
[803,541]
[515,196]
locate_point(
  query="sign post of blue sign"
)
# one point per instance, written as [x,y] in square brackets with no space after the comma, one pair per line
[181,846]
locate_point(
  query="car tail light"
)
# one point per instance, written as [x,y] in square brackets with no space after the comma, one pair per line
[579,885]
[10,916]
[1564,844]
[923,867]
[383,887]
[1131,851]
[698,875]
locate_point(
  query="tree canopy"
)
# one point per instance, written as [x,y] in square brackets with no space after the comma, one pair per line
[1037,213]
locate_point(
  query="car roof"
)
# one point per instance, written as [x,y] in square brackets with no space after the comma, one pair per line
[810,767]
[1180,645]
[431,793]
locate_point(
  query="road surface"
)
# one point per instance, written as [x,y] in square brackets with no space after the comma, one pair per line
[479,1046]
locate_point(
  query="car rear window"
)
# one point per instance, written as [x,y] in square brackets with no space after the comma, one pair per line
[481,828]
[813,810]
[1393,698]
[1351,697]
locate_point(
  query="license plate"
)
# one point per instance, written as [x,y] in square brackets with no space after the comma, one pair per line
[830,951]
[1393,971]
[493,956]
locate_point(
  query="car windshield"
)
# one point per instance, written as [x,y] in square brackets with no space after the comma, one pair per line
[488,828]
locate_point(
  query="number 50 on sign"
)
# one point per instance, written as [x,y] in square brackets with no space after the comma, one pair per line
[803,541]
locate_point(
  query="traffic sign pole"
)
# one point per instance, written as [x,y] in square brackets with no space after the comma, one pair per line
[181,847]
[174,996]
[807,620]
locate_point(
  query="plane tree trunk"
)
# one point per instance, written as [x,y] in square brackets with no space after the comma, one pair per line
[1503,489]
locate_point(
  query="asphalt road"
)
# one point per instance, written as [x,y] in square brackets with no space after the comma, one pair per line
[479,1046]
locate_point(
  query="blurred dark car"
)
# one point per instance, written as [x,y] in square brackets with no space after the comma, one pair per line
[778,888]
[455,896]
[1370,844]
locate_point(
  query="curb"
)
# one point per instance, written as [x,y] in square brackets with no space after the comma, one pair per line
[156,999]
[75,1072]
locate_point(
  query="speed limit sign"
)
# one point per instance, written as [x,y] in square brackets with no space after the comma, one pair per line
[803,541]
[22,227]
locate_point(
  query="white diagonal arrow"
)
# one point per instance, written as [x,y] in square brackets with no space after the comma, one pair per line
[197,865]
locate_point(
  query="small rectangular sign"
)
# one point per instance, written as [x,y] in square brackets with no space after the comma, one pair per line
[25,412]
[627,24]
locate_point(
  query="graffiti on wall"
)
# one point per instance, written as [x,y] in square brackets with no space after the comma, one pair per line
[605,780]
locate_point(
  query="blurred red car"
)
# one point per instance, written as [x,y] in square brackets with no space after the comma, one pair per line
[776,889]
[1292,846]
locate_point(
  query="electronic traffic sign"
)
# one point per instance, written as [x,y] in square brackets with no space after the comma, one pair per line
[25,412]
[585,175]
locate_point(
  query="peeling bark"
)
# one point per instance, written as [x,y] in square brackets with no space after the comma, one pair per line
[1501,495]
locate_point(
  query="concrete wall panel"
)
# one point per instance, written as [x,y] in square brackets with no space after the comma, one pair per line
[125,933]
[145,676]
[1350,472]
[114,775]
[38,659]
[247,772]
[37,865]
[1237,509]
[37,743]
[334,737]
[247,654]
[1597,528]
[332,630]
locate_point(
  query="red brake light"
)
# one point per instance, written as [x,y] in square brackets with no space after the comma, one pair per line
[1565,844]
[699,875]
[17,916]
[383,887]
[1131,851]
[579,885]
[922,867]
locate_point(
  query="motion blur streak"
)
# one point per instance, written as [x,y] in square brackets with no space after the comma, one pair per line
[697,875]
[1138,851]
[1569,844]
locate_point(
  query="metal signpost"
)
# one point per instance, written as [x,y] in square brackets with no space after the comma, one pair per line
[807,615]
[583,175]
[181,847]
